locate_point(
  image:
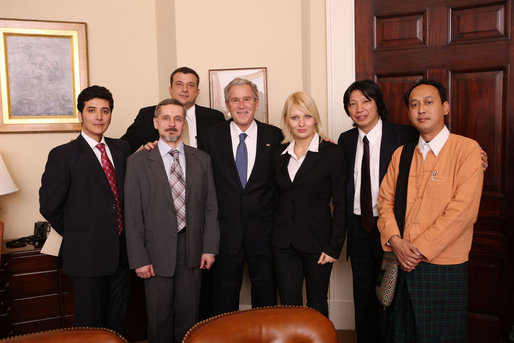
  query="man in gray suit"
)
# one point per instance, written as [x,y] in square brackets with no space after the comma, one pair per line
[171,224]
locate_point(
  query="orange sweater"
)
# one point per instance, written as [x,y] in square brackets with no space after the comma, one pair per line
[443,198]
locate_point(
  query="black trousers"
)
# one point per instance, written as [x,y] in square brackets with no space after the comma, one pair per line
[366,258]
[292,266]
[102,301]
[207,295]
[228,278]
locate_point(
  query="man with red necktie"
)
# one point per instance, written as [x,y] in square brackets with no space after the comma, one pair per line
[81,195]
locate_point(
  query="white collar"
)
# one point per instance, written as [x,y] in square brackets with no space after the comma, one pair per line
[437,143]
[92,143]
[313,146]
[373,135]
[191,113]
[164,148]
[251,132]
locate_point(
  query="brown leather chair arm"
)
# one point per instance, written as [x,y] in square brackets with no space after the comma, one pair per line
[271,324]
[69,335]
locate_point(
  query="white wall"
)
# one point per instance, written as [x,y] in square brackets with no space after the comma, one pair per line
[241,33]
[122,46]
[340,74]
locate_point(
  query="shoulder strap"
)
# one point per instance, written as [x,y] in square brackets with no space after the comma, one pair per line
[400,197]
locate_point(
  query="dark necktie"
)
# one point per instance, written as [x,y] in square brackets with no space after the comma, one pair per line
[111,177]
[367,220]
[178,190]
[242,159]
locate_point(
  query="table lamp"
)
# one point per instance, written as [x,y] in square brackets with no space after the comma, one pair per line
[7,186]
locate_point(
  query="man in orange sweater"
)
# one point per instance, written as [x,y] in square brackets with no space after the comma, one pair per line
[443,197]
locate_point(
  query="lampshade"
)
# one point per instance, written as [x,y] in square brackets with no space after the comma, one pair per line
[7,184]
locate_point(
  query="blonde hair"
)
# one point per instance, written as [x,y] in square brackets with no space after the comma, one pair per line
[305,103]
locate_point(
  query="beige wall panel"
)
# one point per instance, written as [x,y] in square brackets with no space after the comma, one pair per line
[122,47]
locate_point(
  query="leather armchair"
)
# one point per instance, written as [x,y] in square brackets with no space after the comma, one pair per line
[69,335]
[271,324]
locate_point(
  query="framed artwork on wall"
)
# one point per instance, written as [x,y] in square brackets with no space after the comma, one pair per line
[219,78]
[43,68]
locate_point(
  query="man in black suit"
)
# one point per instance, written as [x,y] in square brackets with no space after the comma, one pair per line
[81,195]
[364,103]
[241,151]
[184,84]
[172,233]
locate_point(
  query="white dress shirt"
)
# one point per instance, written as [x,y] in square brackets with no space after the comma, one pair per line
[251,143]
[92,143]
[375,141]
[436,144]
[168,160]
[294,162]
[191,124]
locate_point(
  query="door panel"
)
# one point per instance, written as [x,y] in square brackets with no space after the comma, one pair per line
[393,87]
[467,45]
[482,119]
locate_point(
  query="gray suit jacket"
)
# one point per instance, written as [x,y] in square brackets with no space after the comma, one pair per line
[150,218]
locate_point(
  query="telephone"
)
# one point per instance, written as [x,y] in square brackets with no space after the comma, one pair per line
[41,231]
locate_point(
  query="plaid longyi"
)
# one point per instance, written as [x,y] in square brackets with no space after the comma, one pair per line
[431,305]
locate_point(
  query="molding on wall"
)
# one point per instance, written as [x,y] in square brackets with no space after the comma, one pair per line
[340,74]
[340,61]
[342,314]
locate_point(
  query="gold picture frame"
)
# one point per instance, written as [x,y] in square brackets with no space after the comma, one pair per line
[43,68]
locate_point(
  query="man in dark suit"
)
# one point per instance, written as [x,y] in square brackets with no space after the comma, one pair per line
[364,103]
[81,196]
[241,151]
[172,225]
[184,84]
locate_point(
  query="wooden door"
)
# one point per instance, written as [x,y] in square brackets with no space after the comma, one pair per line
[467,45]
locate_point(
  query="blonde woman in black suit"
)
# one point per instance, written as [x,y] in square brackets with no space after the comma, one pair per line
[309,174]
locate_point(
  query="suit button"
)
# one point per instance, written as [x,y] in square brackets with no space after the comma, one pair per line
[114,206]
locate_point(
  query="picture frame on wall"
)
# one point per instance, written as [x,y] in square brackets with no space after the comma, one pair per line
[43,68]
[219,78]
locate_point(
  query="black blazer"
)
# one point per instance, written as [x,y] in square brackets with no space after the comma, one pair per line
[303,217]
[245,214]
[393,136]
[76,199]
[142,130]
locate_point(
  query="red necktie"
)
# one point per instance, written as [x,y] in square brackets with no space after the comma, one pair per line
[111,177]
[367,220]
